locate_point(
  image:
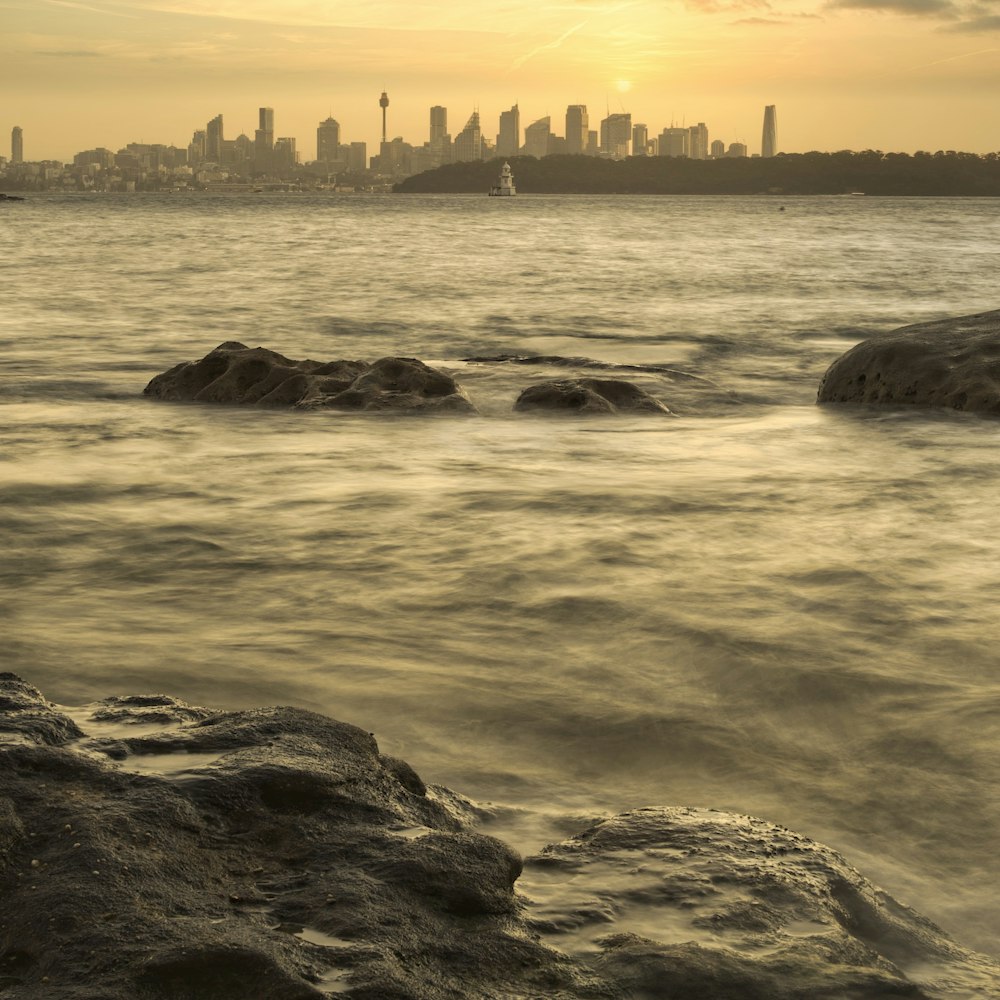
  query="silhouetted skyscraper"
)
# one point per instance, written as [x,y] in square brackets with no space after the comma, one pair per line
[383,103]
[769,139]
[328,141]
[640,140]
[536,137]
[577,128]
[509,137]
[214,140]
[16,145]
[439,124]
[698,141]
[673,141]
[469,142]
[616,134]
[263,141]
[718,149]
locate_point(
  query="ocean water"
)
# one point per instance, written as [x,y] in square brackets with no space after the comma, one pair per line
[756,604]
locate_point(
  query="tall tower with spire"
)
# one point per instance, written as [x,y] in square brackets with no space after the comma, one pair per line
[769,138]
[383,103]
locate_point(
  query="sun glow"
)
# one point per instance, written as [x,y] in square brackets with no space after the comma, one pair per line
[623,86]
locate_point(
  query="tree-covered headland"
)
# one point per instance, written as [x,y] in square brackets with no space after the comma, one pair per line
[871,172]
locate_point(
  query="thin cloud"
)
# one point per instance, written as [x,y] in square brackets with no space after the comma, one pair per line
[984,23]
[915,8]
[77,54]
[548,46]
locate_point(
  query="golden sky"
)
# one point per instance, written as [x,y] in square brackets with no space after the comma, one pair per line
[844,74]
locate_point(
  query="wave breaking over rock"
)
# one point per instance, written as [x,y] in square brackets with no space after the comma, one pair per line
[156,850]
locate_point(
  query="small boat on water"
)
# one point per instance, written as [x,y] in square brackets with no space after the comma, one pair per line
[504,188]
[10,197]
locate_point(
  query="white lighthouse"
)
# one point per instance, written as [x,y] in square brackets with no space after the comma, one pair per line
[505,187]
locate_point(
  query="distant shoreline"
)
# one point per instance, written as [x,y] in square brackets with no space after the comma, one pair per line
[787,175]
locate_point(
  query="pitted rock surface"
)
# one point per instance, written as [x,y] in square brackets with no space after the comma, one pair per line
[589,395]
[950,363]
[239,375]
[277,854]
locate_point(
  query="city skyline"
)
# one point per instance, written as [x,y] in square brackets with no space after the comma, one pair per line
[848,74]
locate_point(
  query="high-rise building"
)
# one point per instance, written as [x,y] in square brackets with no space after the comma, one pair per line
[383,103]
[509,136]
[593,142]
[717,150]
[196,147]
[577,128]
[285,156]
[640,140]
[214,140]
[736,149]
[16,145]
[328,141]
[698,141]
[616,134]
[469,142]
[769,138]
[357,157]
[439,123]
[263,140]
[673,141]
[536,137]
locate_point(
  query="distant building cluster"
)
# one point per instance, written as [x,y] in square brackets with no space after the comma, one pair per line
[267,160]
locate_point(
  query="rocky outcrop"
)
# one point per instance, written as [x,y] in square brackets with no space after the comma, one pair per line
[239,375]
[952,363]
[589,395]
[153,850]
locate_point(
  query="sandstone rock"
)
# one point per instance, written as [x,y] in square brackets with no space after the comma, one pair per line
[589,395]
[398,384]
[279,855]
[755,911]
[952,363]
[239,375]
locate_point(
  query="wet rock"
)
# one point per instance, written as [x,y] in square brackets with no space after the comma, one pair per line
[398,384]
[239,375]
[25,716]
[728,906]
[589,395]
[951,363]
[291,859]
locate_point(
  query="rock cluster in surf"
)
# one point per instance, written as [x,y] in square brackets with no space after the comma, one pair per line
[236,374]
[950,363]
[277,854]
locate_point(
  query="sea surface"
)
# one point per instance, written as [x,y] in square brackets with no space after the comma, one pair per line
[757,604]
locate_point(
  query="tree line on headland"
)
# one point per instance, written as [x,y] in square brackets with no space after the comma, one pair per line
[871,172]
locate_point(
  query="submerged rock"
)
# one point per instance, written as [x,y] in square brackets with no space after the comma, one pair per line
[953,363]
[158,851]
[589,395]
[239,375]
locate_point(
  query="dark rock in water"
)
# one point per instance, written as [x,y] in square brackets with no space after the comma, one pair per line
[276,855]
[239,375]
[756,911]
[953,363]
[589,395]
[397,384]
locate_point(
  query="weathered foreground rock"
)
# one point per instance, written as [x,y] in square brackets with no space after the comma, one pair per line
[277,855]
[236,374]
[953,363]
[589,395]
